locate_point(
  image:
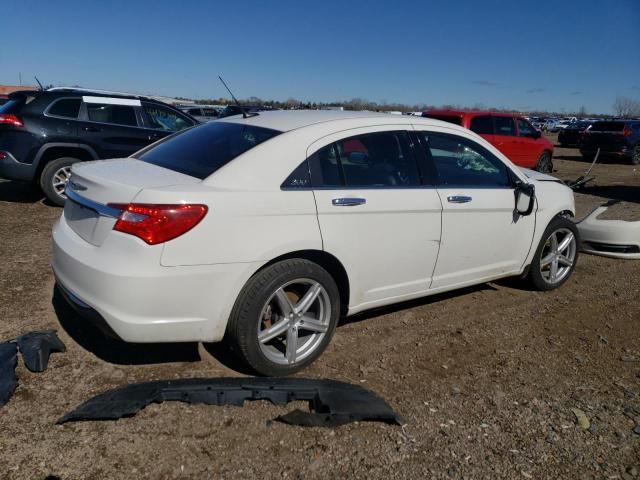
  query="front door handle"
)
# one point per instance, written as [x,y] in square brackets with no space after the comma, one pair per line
[459,199]
[348,201]
[91,129]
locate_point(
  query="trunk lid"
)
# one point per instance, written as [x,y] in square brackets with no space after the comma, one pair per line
[94,185]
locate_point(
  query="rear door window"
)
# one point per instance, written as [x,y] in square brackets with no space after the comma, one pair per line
[459,162]
[65,107]
[375,160]
[110,113]
[163,118]
[202,150]
[482,125]
[504,126]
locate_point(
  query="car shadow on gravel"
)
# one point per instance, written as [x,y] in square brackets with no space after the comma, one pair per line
[19,192]
[116,351]
[418,302]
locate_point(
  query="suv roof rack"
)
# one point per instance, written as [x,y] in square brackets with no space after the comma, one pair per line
[96,90]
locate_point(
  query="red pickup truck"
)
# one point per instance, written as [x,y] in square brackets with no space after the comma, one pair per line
[512,134]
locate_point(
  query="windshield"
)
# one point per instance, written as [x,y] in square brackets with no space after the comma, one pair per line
[201,150]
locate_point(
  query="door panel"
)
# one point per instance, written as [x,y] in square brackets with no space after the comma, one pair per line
[529,147]
[482,235]
[389,244]
[481,238]
[505,138]
[374,214]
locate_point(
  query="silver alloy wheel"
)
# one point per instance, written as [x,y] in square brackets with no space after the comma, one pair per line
[558,255]
[294,321]
[60,179]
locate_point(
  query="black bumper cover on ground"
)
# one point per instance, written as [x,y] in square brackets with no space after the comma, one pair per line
[333,403]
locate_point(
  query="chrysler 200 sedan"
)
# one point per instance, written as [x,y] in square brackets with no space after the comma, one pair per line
[264,231]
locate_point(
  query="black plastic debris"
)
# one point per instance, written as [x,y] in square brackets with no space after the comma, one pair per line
[332,402]
[8,382]
[36,347]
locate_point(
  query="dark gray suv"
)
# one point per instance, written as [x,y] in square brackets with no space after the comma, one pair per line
[43,133]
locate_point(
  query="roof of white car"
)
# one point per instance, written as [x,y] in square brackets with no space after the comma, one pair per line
[286,120]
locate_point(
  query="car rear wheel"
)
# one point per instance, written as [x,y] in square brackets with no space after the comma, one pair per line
[556,255]
[284,317]
[54,178]
[635,157]
[544,164]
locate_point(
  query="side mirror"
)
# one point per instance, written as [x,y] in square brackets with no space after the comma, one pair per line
[525,198]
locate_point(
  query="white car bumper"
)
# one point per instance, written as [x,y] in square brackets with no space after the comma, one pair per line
[609,238]
[140,300]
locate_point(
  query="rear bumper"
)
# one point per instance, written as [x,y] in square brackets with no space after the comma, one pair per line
[12,169]
[124,285]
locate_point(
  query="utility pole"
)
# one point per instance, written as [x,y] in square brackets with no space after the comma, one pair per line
[20,77]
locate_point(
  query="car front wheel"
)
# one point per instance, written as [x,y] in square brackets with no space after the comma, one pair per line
[284,317]
[556,256]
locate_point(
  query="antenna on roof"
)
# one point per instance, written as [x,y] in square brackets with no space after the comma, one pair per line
[41,87]
[244,112]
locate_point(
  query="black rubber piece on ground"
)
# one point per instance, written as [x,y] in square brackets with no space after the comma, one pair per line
[8,361]
[333,403]
[36,347]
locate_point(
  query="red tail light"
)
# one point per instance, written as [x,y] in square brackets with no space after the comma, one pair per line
[158,223]
[626,132]
[10,119]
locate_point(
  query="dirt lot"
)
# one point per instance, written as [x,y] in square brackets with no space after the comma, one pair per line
[486,379]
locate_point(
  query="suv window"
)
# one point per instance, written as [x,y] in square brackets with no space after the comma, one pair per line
[202,150]
[108,113]
[162,118]
[65,107]
[504,126]
[482,125]
[462,163]
[525,129]
[371,160]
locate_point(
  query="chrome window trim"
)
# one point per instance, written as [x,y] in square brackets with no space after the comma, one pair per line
[101,209]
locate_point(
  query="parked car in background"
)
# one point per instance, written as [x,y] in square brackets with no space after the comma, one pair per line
[202,113]
[561,125]
[511,134]
[550,124]
[43,133]
[572,135]
[144,243]
[615,138]
[231,110]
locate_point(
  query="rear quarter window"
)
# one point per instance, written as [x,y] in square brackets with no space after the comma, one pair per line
[201,150]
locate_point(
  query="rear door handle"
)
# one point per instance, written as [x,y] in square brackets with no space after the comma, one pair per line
[458,199]
[348,201]
[91,129]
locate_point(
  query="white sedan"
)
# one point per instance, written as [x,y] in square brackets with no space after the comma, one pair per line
[266,230]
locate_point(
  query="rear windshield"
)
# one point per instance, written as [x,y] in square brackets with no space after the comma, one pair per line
[607,127]
[201,150]
[456,120]
[12,105]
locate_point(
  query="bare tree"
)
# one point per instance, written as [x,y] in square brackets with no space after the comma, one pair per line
[582,113]
[626,107]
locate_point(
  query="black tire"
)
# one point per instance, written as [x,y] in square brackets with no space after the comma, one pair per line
[635,155]
[47,179]
[243,327]
[535,276]
[544,165]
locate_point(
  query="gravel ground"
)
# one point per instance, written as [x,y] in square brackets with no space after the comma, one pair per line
[492,381]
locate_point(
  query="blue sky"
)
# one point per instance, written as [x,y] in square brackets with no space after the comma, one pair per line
[541,54]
